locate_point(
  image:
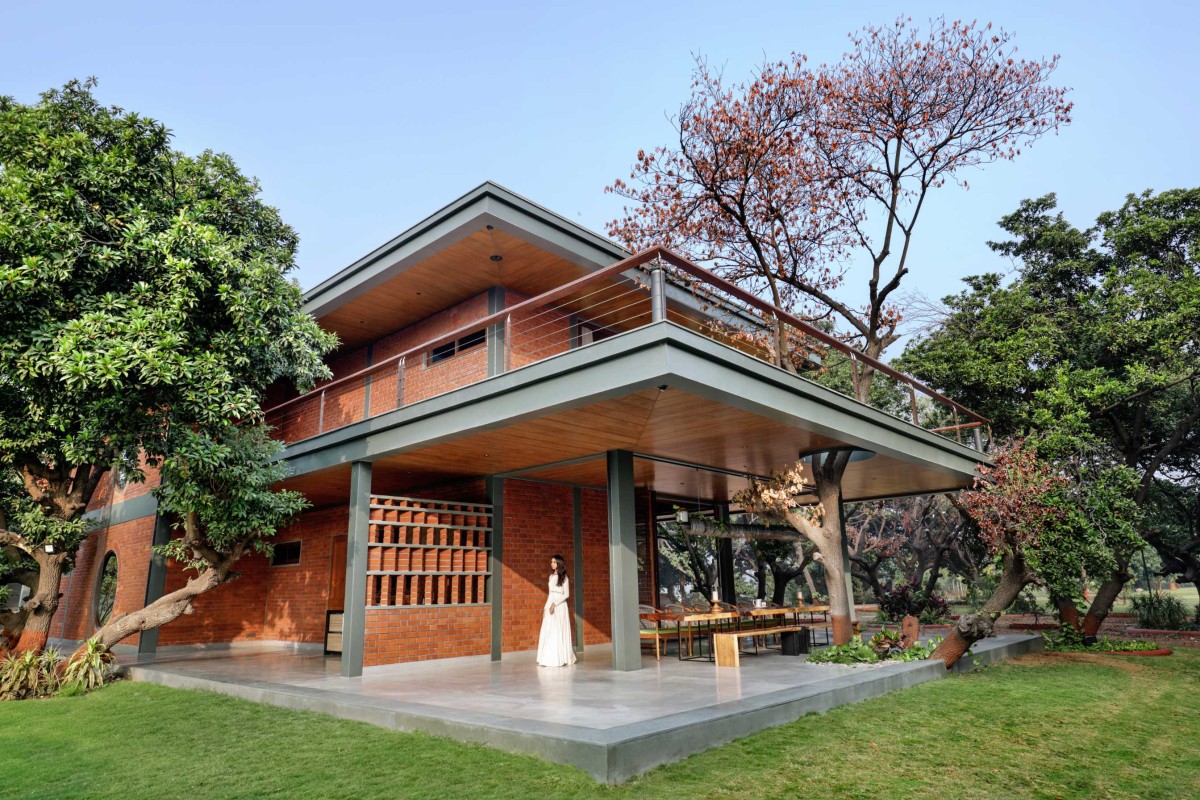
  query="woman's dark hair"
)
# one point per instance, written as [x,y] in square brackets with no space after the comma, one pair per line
[561,572]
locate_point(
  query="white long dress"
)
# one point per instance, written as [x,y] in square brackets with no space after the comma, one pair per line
[555,648]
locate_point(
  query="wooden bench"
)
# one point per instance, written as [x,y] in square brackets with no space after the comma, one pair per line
[728,653]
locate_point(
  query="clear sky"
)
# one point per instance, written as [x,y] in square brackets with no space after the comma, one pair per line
[360,118]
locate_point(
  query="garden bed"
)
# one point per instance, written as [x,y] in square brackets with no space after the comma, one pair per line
[1034,626]
[1162,632]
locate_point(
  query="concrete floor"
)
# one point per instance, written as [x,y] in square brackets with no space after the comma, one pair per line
[612,724]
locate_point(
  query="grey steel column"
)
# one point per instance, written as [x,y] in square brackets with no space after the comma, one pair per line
[658,295]
[622,563]
[156,581]
[577,573]
[495,333]
[354,617]
[495,581]
[725,560]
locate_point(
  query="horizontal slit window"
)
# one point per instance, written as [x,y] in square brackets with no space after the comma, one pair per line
[448,350]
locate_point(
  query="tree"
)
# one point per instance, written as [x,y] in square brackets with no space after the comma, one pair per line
[776,180]
[1093,347]
[778,499]
[143,301]
[905,543]
[1017,504]
[220,492]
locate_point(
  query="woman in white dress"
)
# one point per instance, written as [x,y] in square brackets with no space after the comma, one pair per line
[555,648]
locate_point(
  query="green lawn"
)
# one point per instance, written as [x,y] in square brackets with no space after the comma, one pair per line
[1081,727]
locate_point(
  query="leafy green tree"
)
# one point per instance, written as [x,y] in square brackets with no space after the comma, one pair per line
[143,301]
[220,492]
[1092,348]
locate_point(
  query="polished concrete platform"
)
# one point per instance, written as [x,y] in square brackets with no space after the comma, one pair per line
[613,725]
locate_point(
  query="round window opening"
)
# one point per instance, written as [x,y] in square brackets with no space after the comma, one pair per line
[106,591]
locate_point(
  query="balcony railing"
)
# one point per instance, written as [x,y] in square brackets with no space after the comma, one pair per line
[652,286]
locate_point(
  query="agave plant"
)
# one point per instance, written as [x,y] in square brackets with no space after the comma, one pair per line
[90,668]
[29,674]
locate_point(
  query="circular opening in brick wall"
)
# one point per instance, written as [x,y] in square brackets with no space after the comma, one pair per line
[106,589]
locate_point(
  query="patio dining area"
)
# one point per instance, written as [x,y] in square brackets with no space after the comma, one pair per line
[611,724]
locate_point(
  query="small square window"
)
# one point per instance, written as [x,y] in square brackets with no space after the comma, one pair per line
[286,554]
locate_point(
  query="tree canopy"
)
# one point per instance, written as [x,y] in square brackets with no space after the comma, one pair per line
[144,297]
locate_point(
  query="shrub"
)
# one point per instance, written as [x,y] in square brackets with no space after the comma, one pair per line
[29,675]
[1161,611]
[853,652]
[89,669]
[907,600]
[886,643]
[1070,640]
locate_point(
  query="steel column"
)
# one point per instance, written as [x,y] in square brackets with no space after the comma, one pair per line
[622,562]
[658,295]
[156,581]
[354,615]
[725,560]
[495,581]
[577,573]
[497,334]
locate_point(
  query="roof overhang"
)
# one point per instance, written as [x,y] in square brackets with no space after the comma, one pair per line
[552,420]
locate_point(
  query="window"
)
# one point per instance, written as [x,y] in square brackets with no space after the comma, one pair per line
[286,554]
[106,589]
[450,349]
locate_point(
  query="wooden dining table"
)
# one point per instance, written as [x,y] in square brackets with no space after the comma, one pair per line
[702,624]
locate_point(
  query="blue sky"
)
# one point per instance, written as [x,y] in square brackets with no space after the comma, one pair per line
[360,118]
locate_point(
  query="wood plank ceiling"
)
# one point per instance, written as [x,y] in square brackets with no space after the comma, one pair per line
[667,423]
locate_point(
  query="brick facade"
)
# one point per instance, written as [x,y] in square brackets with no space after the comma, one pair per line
[130,541]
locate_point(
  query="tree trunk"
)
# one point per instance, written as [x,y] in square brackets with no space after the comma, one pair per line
[808,579]
[41,605]
[1067,612]
[973,627]
[1102,603]
[840,601]
[167,608]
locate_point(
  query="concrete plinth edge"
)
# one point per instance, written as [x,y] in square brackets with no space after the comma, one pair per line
[610,755]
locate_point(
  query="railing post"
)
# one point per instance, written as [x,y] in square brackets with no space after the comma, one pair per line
[321,414]
[957,430]
[912,394]
[658,295]
[978,439]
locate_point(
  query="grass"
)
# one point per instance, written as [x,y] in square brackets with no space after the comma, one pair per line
[1071,726]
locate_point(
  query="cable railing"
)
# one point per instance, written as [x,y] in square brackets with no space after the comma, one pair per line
[650,287]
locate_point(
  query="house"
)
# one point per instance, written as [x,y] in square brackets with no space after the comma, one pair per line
[509,386]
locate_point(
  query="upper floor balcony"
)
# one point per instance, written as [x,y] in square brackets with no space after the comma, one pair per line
[501,330]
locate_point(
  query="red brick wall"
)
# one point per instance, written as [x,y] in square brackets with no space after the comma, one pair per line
[538,523]
[345,404]
[420,634]
[597,611]
[75,618]
[298,596]
[537,333]
[285,603]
